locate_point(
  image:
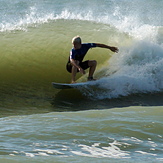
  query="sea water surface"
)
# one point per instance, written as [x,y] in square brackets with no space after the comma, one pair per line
[118,118]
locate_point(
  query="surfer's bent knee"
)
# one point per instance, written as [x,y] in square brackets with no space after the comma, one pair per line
[92,63]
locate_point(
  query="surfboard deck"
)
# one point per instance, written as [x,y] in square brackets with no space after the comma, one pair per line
[68,86]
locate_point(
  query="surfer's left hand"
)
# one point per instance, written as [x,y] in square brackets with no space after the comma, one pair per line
[114,49]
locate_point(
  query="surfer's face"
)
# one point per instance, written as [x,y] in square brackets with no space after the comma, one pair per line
[77,45]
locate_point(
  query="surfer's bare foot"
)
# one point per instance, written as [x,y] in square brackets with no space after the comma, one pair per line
[91,79]
[73,82]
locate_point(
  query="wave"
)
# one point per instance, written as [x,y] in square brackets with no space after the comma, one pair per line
[35,49]
[38,56]
[32,59]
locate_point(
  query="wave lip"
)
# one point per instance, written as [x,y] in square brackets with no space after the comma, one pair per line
[124,19]
[32,18]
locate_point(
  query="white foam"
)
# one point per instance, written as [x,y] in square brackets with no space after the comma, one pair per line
[145,153]
[95,150]
[137,69]
[32,18]
[29,154]
[48,151]
[128,23]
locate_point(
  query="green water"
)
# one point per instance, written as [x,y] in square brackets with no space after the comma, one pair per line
[32,59]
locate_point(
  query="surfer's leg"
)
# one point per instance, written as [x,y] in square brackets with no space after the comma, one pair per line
[92,64]
[74,71]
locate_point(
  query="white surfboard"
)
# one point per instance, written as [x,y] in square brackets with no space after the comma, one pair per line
[69,86]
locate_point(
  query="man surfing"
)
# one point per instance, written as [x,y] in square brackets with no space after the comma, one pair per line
[75,62]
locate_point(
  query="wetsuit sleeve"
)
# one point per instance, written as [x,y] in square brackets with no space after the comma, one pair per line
[91,45]
[72,54]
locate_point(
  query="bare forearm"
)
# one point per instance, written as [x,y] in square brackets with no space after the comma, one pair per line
[74,63]
[112,48]
[102,46]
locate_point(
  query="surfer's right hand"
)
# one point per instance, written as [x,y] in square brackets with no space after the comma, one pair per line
[81,71]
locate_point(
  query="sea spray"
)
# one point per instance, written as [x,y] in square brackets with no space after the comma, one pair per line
[135,69]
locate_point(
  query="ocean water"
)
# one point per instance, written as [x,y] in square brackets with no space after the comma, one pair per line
[118,118]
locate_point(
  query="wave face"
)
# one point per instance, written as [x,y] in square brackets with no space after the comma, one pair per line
[36,39]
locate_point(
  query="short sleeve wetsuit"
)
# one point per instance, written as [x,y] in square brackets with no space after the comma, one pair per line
[79,54]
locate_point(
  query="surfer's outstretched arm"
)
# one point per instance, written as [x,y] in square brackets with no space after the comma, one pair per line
[112,48]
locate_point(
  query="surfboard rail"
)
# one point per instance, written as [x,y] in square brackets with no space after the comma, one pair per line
[68,86]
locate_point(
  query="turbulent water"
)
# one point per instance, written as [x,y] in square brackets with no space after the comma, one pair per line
[117,118]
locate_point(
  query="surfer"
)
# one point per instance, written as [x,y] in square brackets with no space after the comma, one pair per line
[75,62]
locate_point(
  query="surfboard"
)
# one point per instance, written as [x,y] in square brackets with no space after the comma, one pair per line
[68,86]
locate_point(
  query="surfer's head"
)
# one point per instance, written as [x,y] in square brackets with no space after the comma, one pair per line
[76,41]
